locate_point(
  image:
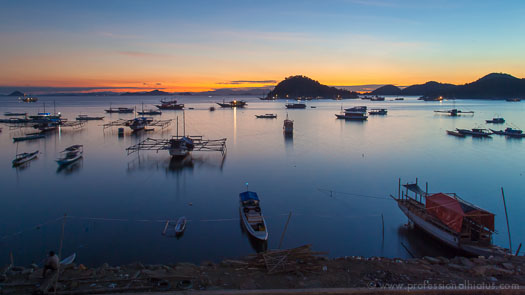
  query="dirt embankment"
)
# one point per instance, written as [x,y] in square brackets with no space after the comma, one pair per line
[298,268]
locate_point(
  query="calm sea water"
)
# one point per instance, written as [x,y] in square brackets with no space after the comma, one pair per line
[118,204]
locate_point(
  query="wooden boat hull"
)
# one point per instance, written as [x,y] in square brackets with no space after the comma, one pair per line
[29,157]
[261,235]
[62,162]
[30,137]
[455,133]
[180,226]
[351,118]
[447,238]
[171,107]
[89,118]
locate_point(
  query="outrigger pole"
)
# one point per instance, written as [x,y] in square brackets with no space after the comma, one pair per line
[506,217]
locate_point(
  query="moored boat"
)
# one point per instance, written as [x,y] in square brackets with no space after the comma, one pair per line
[454,112]
[11,114]
[180,226]
[509,132]
[378,112]
[476,132]
[377,98]
[88,118]
[139,123]
[70,155]
[180,147]
[170,105]
[399,98]
[233,104]
[120,110]
[149,112]
[288,125]
[267,116]
[295,106]
[451,220]
[354,114]
[496,121]
[251,215]
[28,98]
[30,136]
[24,158]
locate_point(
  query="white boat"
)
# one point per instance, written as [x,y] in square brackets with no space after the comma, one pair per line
[354,114]
[24,158]
[451,220]
[180,226]
[252,216]
[70,155]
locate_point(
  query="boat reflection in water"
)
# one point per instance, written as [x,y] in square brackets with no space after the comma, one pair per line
[414,243]
[175,165]
[72,168]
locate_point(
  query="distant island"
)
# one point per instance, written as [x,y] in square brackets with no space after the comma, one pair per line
[302,86]
[16,93]
[153,92]
[491,86]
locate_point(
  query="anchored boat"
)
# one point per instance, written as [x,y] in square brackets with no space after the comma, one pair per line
[295,106]
[509,132]
[10,114]
[24,158]
[88,118]
[30,136]
[451,220]
[288,125]
[120,110]
[378,112]
[70,155]
[170,105]
[267,116]
[496,121]
[233,104]
[455,133]
[476,132]
[355,114]
[180,226]
[454,112]
[252,216]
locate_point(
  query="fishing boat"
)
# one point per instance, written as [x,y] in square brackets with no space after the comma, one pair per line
[513,99]
[150,112]
[180,226]
[252,216]
[496,121]
[451,220]
[354,114]
[70,155]
[233,104]
[88,118]
[24,158]
[288,125]
[431,98]
[399,98]
[378,112]
[454,112]
[120,110]
[455,133]
[10,114]
[476,132]
[170,105]
[377,98]
[180,147]
[509,132]
[30,136]
[267,116]
[45,116]
[28,99]
[139,123]
[295,106]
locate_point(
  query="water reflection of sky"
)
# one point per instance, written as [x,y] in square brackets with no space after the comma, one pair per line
[135,194]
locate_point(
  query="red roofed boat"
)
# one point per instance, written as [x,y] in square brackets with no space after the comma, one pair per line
[451,220]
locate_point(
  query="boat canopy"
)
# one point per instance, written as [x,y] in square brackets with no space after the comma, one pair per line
[247,195]
[413,187]
[452,211]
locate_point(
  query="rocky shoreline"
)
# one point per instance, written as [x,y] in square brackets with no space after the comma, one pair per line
[298,268]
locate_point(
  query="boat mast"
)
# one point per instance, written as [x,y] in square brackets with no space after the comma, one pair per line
[177,126]
[183,124]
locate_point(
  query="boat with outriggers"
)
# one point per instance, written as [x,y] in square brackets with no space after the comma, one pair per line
[233,104]
[378,112]
[496,121]
[357,113]
[24,158]
[454,112]
[89,118]
[266,116]
[119,110]
[510,132]
[476,132]
[450,219]
[70,155]
[251,215]
[170,104]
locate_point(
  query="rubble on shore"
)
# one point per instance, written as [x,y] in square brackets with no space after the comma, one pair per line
[279,269]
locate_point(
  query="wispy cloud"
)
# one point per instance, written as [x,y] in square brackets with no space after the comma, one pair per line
[237,82]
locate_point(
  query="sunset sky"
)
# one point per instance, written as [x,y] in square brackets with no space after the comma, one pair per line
[203,45]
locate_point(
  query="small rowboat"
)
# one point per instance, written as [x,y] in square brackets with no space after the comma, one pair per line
[69,259]
[70,155]
[455,133]
[251,215]
[180,226]
[266,116]
[24,158]
[29,137]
